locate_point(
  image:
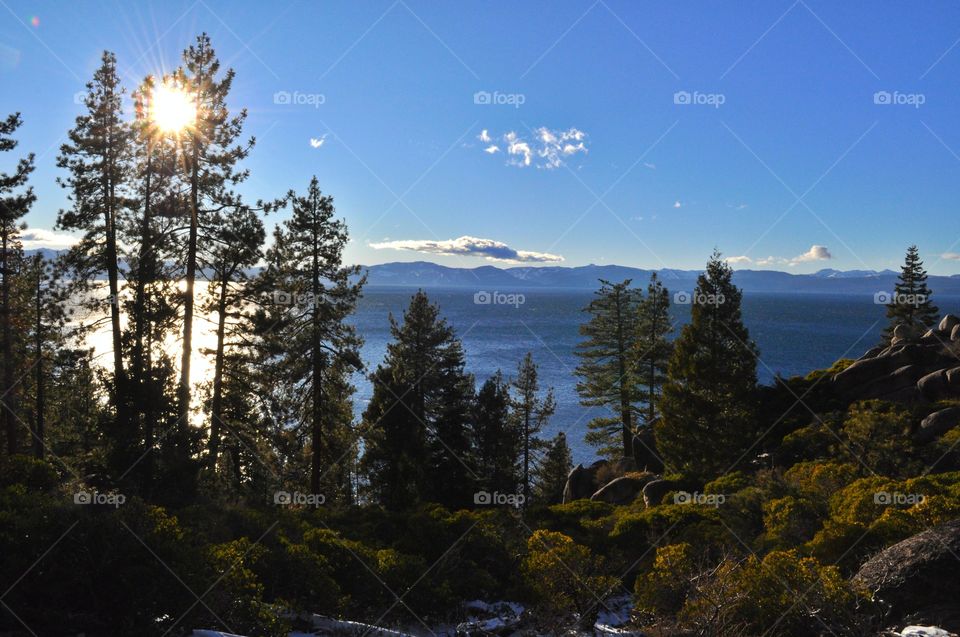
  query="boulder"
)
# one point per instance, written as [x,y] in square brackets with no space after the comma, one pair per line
[955,333]
[623,490]
[654,491]
[873,352]
[645,451]
[582,481]
[947,323]
[934,385]
[937,424]
[917,577]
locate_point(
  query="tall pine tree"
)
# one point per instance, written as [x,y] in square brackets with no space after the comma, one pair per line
[606,370]
[708,414]
[496,439]
[530,411]
[416,424]
[911,305]
[16,198]
[652,350]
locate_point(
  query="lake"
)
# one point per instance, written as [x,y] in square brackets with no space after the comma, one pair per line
[795,333]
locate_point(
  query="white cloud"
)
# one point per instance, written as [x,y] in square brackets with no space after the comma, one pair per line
[470,246]
[740,260]
[35,238]
[650,166]
[951,256]
[815,253]
[317,142]
[548,148]
[677,204]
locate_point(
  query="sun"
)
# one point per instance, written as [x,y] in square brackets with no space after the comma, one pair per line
[172,109]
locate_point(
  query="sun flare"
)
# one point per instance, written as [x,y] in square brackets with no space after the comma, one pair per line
[172,110]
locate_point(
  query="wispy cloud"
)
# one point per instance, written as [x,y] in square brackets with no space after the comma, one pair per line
[951,256]
[470,246]
[317,142]
[35,238]
[547,148]
[740,260]
[677,204]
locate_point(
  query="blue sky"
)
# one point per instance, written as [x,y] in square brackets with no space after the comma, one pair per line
[655,131]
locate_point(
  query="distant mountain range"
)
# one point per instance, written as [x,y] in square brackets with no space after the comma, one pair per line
[491,278]
[828,281]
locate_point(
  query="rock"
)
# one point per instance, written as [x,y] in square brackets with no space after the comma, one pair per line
[582,481]
[654,491]
[873,352]
[623,466]
[623,490]
[937,424]
[933,385]
[955,333]
[918,576]
[645,451]
[947,323]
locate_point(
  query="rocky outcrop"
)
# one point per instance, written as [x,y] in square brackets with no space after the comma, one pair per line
[937,424]
[654,491]
[645,451]
[916,579]
[913,368]
[623,490]
[582,481]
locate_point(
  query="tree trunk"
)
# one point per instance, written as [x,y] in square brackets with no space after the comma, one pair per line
[7,399]
[317,363]
[191,275]
[38,432]
[216,403]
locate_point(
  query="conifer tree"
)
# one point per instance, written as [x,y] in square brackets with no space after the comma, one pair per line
[530,412]
[606,369]
[416,411]
[496,438]
[652,349]
[16,198]
[304,322]
[708,405]
[911,303]
[211,154]
[553,470]
[97,159]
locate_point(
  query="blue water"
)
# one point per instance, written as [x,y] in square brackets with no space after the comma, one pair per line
[795,333]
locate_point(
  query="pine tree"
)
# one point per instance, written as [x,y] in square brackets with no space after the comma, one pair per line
[911,305]
[16,198]
[553,470]
[233,246]
[606,369]
[496,439]
[707,419]
[652,349]
[530,412]
[305,328]
[417,409]
[211,155]
[97,159]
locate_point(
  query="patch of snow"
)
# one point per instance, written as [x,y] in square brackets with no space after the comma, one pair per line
[925,631]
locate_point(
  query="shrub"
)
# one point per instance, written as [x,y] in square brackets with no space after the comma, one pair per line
[663,590]
[565,577]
